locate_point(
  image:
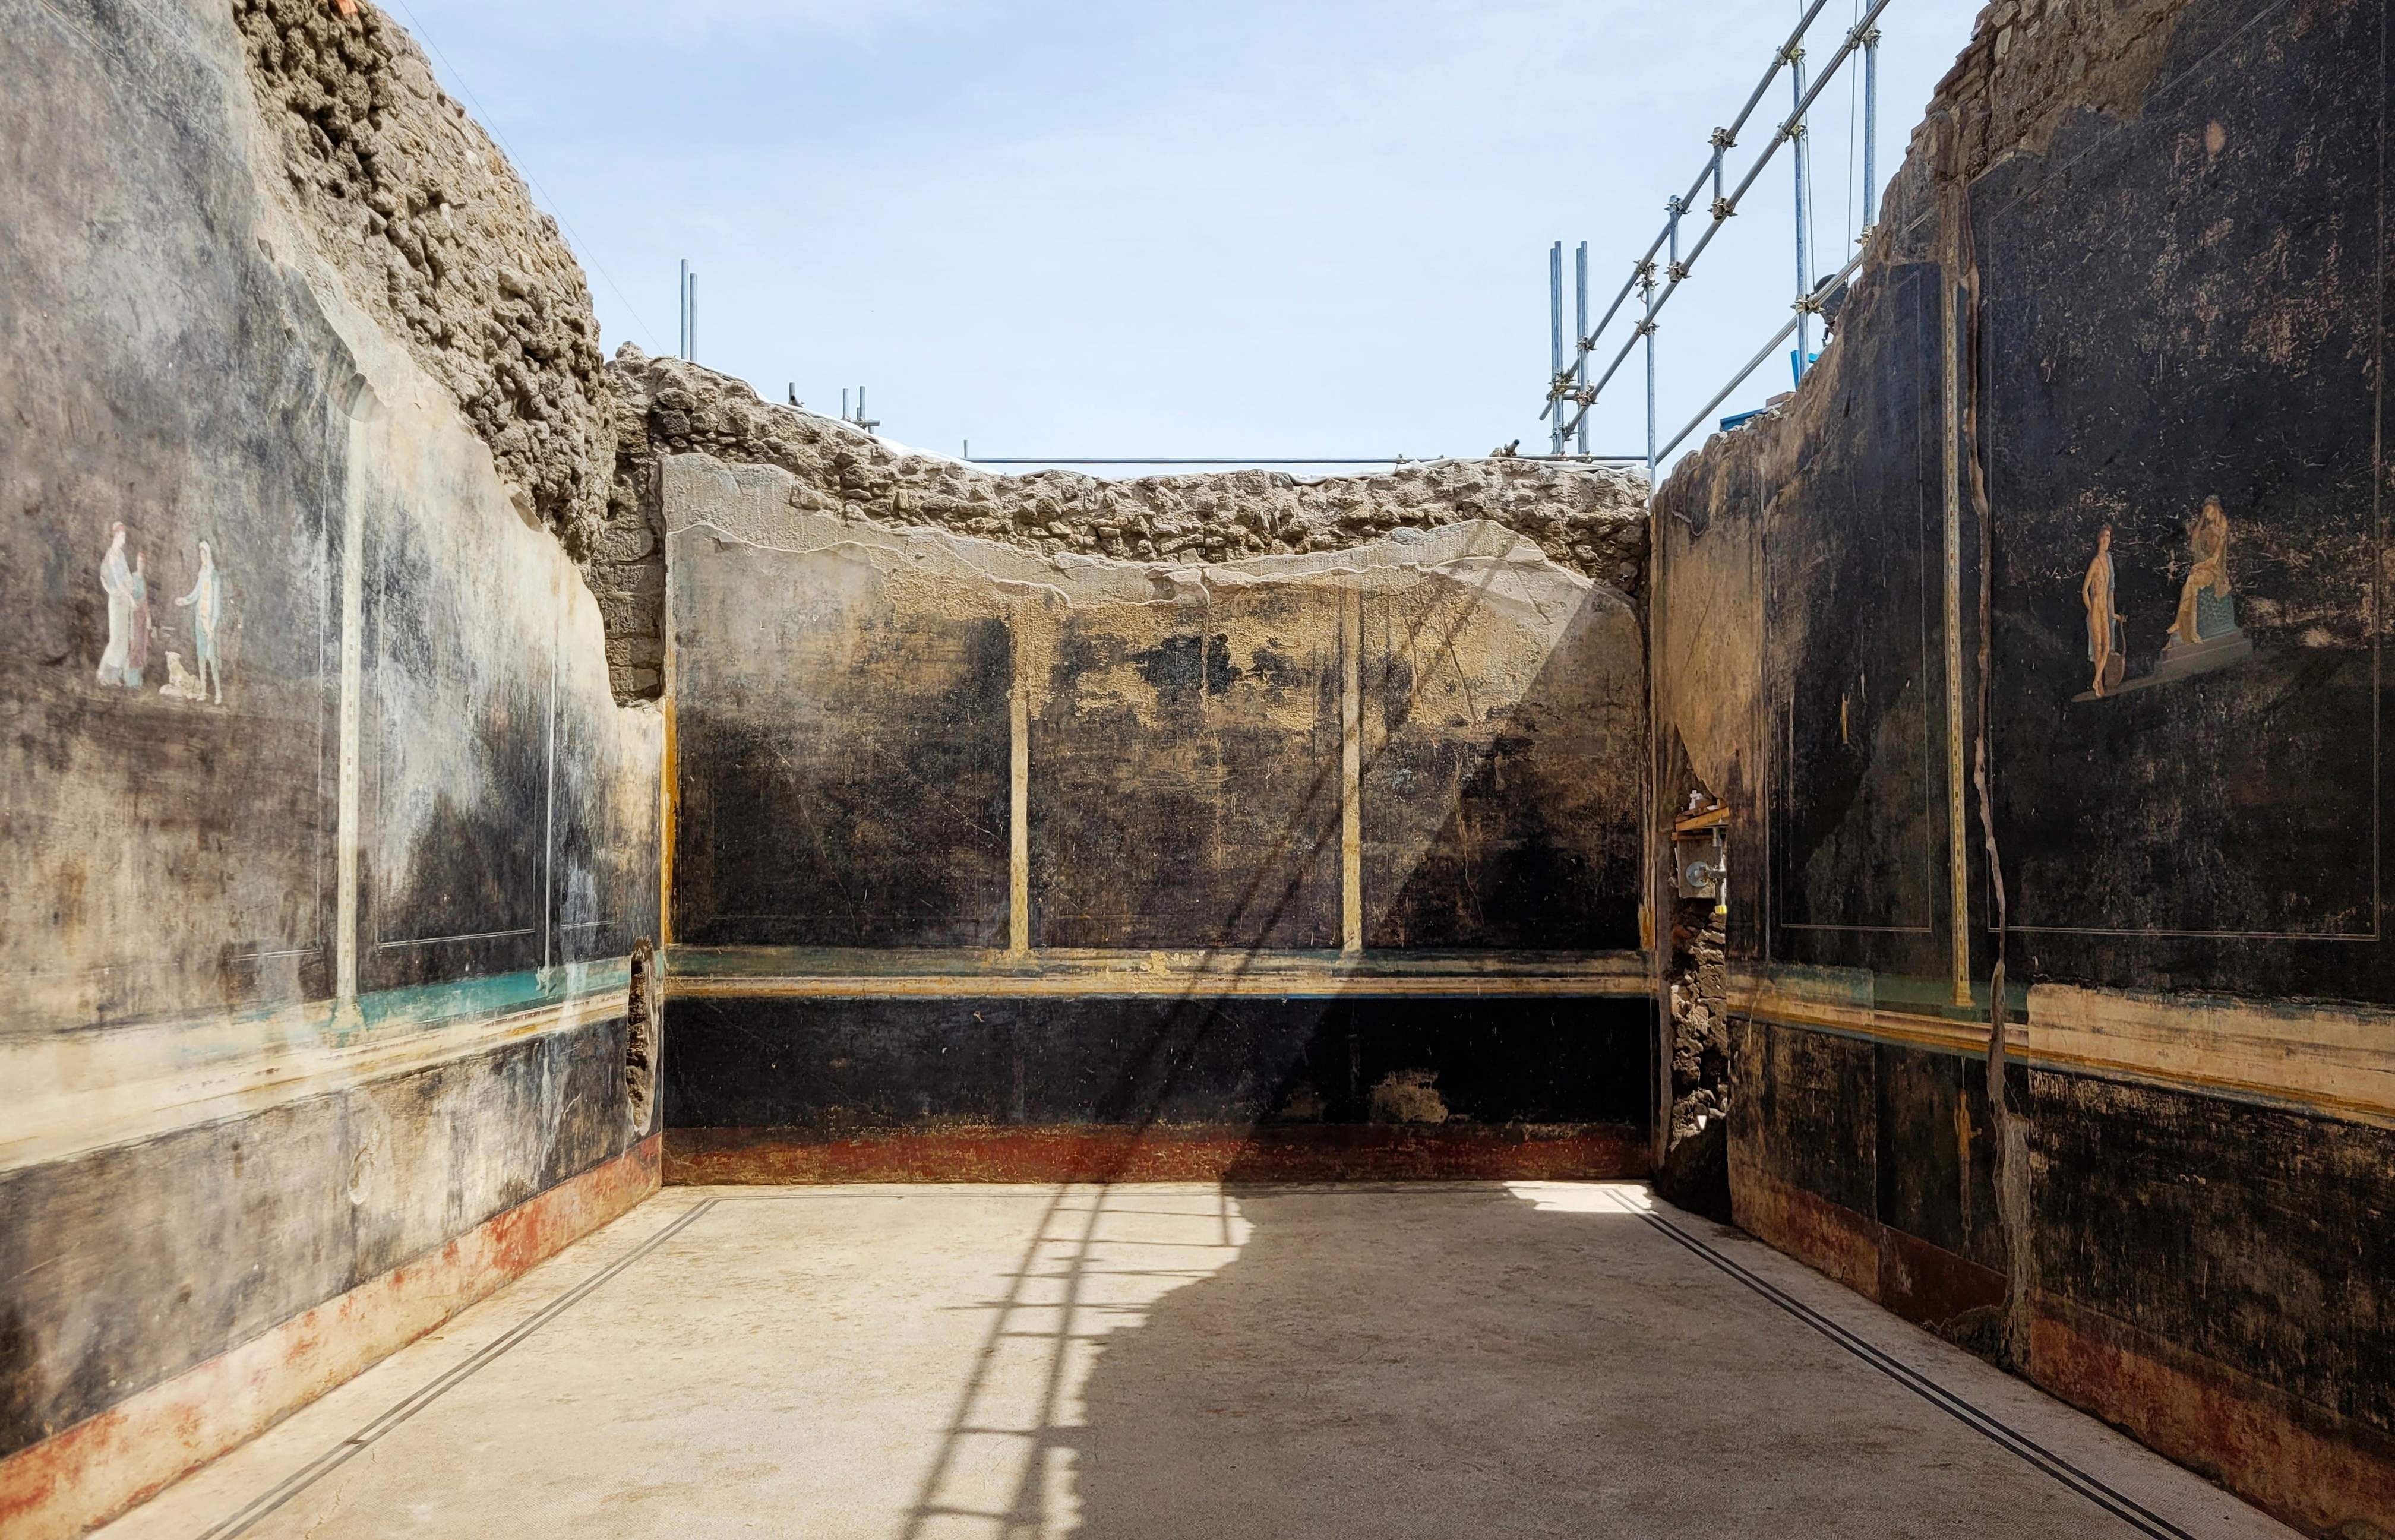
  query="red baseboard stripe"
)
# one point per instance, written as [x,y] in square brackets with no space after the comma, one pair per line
[1097,1153]
[2318,1472]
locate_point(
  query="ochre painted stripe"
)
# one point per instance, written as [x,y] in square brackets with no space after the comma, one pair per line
[140,1083]
[1936,1033]
[1150,986]
[1351,768]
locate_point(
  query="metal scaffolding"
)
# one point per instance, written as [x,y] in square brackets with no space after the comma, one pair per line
[688,349]
[1568,382]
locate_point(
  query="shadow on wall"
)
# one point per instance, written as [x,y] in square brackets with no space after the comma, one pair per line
[1500,788]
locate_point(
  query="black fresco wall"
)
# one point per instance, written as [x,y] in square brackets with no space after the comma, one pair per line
[837,1066]
[175,367]
[1186,775]
[1854,626]
[845,698]
[2155,239]
[2190,305]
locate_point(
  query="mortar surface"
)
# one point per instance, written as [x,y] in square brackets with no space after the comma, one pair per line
[1168,1360]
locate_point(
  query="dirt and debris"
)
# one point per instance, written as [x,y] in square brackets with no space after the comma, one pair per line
[1407,1096]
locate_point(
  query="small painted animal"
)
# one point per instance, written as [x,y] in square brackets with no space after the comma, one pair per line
[180,685]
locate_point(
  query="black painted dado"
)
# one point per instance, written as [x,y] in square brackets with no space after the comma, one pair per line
[825,1066]
[2262,1239]
[1899,1135]
[195,1242]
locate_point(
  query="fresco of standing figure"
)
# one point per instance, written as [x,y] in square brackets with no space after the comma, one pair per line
[2103,617]
[116,580]
[137,644]
[207,603]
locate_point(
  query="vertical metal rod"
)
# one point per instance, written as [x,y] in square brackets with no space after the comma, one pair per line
[1556,340]
[843,403]
[1651,386]
[1804,272]
[682,311]
[1870,128]
[1580,329]
[693,287]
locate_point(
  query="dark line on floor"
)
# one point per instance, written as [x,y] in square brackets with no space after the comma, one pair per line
[341,1453]
[2125,1509]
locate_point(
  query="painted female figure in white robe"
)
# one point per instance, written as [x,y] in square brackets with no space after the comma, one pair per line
[116,580]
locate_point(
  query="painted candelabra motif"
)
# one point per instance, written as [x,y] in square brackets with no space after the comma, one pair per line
[124,660]
[2203,636]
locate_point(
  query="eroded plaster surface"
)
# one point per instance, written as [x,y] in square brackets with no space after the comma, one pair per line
[328,839]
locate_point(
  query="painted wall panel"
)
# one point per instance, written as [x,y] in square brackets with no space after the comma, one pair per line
[1503,731]
[842,735]
[1854,583]
[2184,345]
[170,846]
[1184,772]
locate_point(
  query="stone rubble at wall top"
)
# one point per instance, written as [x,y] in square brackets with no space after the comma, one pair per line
[1588,518]
[1591,519]
[435,237]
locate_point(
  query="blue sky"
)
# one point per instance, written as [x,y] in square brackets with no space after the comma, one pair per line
[1236,227]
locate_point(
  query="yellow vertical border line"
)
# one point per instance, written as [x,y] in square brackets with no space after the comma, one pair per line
[1351,768]
[669,806]
[1958,865]
[670,761]
[1018,819]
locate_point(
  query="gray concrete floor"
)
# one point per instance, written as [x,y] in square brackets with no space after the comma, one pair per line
[901,1363]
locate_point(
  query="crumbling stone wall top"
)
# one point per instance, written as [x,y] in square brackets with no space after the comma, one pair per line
[1590,519]
[2031,62]
[433,235]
